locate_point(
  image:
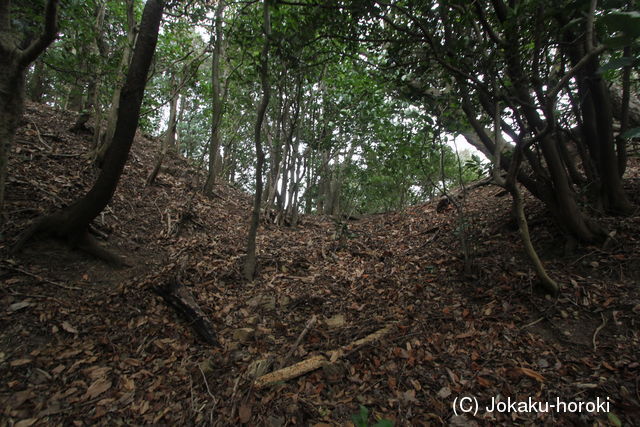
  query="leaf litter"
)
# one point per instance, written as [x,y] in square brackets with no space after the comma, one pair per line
[81,343]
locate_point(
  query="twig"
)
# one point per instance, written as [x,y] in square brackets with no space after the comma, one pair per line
[35,276]
[598,329]
[206,383]
[295,345]
[36,296]
[533,323]
[39,136]
[233,397]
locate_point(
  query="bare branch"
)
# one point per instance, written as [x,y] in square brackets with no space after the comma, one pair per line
[572,72]
[46,38]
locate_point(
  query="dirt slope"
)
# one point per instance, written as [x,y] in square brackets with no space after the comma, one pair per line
[81,343]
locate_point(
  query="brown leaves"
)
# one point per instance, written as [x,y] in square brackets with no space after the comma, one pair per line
[97,388]
[67,327]
[19,362]
[529,373]
[245,413]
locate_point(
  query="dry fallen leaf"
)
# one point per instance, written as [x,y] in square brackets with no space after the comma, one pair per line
[97,388]
[26,423]
[245,413]
[530,373]
[18,306]
[19,362]
[67,327]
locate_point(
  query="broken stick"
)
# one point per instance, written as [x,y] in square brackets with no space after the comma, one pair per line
[316,362]
[310,323]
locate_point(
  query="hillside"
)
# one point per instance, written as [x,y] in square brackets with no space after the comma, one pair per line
[83,343]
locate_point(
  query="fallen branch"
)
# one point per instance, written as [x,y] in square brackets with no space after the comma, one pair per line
[316,362]
[181,299]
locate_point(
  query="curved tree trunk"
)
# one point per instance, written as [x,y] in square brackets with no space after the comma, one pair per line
[72,223]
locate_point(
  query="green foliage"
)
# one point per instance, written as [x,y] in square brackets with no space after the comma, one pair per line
[478,167]
[361,419]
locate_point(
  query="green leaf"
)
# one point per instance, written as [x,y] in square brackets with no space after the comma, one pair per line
[627,22]
[383,423]
[631,133]
[616,64]
[361,419]
[617,42]
[614,419]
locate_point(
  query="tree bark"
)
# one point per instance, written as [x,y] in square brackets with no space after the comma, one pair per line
[72,222]
[216,115]
[250,261]
[169,140]
[106,137]
[37,82]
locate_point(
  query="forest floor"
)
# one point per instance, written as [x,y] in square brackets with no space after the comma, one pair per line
[82,343]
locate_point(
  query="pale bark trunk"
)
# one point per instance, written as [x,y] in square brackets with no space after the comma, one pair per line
[168,142]
[106,137]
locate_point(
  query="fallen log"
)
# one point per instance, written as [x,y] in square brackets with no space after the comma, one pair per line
[318,361]
[181,299]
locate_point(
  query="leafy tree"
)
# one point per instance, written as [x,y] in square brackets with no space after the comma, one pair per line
[72,223]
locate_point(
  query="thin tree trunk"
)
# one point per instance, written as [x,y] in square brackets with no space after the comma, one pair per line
[106,137]
[250,261]
[216,115]
[37,82]
[621,143]
[169,140]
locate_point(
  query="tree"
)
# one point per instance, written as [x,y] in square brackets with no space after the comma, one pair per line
[104,139]
[250,260]
[72,223]
[17,52]
[545,93]
[217,34]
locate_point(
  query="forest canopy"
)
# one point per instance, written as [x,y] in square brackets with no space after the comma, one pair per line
[363,100]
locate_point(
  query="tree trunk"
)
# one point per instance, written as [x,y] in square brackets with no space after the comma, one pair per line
[216,115]
[169,140]
[72,222]
[106,137]
[37,82]
[13,67]
[250,261]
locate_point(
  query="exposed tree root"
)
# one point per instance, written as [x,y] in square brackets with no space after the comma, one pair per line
[48,227]
[546,281]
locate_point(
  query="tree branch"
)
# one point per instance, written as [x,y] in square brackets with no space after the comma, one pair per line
[46,38]
[572,72]
[5,16]
[590,18]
